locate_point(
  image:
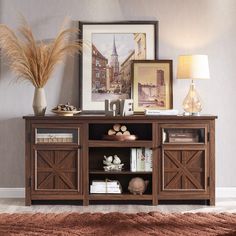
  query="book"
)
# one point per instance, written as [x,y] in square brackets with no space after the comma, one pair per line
[178,134]
[54,137]
[150,112]
[100,186]
[97,189]
[183,140]
[140,160]
[105,183]
[104,191]
[148,159]
[133,160]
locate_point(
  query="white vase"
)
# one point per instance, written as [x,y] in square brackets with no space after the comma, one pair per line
[39,102]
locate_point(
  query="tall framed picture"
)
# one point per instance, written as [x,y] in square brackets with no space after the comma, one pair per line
[105,64]
[152,84]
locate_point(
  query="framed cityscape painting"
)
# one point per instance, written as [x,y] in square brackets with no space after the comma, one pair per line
[105,64]
[152,84]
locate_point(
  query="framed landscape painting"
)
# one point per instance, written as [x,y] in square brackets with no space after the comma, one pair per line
[105,64]
[152,84]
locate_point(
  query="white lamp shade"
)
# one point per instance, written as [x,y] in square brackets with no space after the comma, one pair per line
[193,67]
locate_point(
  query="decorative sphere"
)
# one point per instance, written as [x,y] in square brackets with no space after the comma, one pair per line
[137,185]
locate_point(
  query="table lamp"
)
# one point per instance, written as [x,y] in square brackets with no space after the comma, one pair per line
[192,67]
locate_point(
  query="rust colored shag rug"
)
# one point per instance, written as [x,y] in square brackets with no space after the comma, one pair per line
[153,223]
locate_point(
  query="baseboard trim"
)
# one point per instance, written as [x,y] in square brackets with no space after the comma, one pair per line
[226,192]
[12,192]
[221,192]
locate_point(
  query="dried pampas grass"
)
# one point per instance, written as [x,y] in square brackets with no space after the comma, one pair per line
[33,61]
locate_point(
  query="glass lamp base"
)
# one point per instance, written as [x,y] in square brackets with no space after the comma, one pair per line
[192,103]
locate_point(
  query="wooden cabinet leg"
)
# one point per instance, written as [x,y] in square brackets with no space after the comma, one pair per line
[154,202]
[212,202]
[85,202]
[27,201]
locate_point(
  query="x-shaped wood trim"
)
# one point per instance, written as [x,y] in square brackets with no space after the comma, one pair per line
[45,180]
[183,170]
[55,169]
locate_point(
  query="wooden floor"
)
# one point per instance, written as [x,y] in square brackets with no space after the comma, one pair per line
[17,206]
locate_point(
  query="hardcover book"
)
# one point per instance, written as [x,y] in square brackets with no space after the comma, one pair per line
[140,159]
[133,159]
[148,159]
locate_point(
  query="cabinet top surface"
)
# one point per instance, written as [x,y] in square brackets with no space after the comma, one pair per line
[133,117]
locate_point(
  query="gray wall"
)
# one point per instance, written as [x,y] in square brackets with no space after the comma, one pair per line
[186,26]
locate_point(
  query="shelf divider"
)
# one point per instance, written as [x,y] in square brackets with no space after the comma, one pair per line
[128,196]
[124,172]
[105,143]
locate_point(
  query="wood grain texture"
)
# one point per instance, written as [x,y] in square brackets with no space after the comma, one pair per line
[56,170]
[184,170]
[181,171]
[117,119]
[28,177]
[212,162]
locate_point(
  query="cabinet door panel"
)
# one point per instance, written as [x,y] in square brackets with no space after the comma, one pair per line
[183,170]
[56,170]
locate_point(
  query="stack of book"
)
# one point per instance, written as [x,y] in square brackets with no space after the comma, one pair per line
[110,186]
[54,138]
[183,137]
[141,159]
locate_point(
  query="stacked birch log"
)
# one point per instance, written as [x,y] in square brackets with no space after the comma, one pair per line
[118,129]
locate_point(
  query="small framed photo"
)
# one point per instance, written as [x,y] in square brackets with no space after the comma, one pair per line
[105,64]
[152,84]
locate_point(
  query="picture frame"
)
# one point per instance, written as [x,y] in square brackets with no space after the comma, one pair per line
[152,85]
[105,64]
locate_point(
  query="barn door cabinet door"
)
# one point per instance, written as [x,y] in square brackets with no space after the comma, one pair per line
[56,170]
[184,160]
[56,161]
